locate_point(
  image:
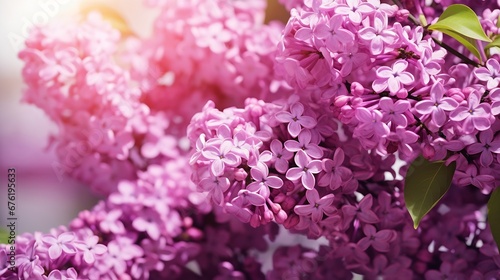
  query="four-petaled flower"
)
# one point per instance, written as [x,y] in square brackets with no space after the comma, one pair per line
[488,144]
[393,78]
[335,174]
[472,115]
[304,144]
[260,174]
[378,35]
[379,240]
[317,206]
[220,157]
[489,74]
[278,155]
[394,112]
[305,170]
[215,186]
[437,105]
[90,248]
[63,243]
[334,35]
[355,10]
[295,119]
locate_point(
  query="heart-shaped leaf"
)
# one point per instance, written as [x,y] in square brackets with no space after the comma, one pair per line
[425,184]
[462,20]
[494,215]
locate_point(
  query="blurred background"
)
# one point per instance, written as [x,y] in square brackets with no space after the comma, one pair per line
[43,200]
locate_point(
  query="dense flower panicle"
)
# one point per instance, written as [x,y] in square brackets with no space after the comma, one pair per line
[321,113]
[121,104]
[389,83]
[292,169]
[151,228]
[105,133]
[218,47]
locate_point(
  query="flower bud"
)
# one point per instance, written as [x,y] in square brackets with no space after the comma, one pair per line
[281,217]
[357,89]
[402,15]
[255,221]
[240,174]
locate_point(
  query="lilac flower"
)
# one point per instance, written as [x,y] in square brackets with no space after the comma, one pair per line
[495,98]
[350,57]
[304,144]
[119,252]
[317,206]
[90,248]
[278,155]
[149,221]
[363,211]
[215,186]
[260,174]
[63,243]
[334,35]
[62,63]
[471,176]
[220,157]
[29,264]
[371,123]
[295,119]
[393,78]
[335,173]
[404,138]
[486,147]
[257,198]
[394,111]
[472,115]
[429,64]
[355,10]
[305,170]
[379,240]
[378,35]
[112,223]
[448,270]
[489,74]
[437,105]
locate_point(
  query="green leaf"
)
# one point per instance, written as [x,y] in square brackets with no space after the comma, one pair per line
[495,43]
[4,236]
[494,215]
[470,44]
[425,184]
[462,20]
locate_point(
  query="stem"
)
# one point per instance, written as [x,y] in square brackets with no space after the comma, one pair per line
[421,124]
[464,58]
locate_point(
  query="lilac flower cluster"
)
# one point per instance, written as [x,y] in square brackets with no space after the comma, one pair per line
[453,243]
[393,86]
[290,164]
[151,228]
[122,110]
[121,104]
[220,49]
[321,115]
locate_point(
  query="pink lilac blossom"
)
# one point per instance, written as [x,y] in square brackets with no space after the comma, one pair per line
[368,85]
[156,242]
